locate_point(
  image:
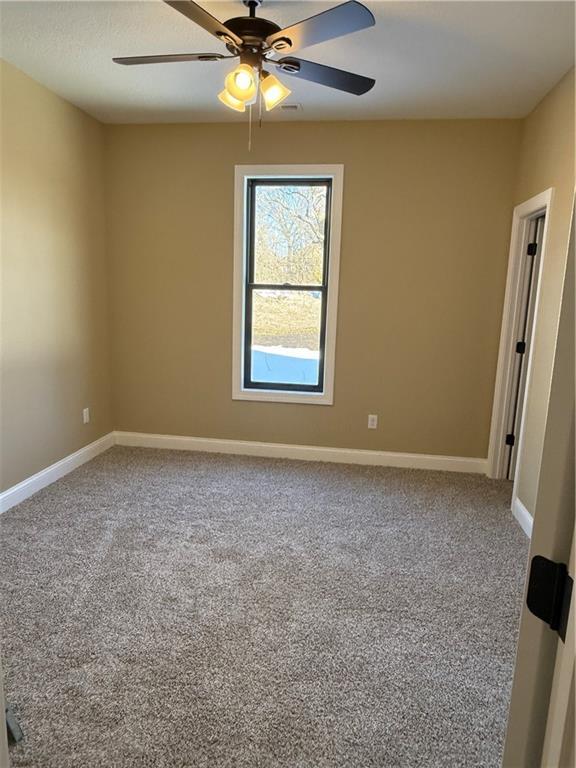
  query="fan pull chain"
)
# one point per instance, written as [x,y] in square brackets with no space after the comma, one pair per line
[259,109]
[250,128]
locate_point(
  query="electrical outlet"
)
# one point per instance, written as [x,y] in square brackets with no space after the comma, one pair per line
[372,421]
[86,415]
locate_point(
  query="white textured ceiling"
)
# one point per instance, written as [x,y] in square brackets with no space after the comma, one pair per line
[430,59]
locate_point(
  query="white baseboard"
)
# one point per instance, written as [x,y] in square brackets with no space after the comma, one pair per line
[304,452]
[524,517]
[33,484]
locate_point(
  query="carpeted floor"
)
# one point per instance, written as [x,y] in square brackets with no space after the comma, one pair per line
[177,609]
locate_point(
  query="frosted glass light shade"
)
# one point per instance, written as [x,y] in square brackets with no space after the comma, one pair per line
[231,102]
[273,91]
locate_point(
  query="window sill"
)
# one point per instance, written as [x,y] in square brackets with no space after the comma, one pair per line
[275,396]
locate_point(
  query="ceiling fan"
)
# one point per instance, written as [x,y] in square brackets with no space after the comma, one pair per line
[255,41]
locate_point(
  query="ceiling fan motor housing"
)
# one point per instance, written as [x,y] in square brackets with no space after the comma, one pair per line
[252,30]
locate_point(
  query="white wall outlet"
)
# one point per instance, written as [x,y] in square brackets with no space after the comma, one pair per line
[372,421]
[86,415]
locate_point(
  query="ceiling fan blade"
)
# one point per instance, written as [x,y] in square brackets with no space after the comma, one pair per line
[335,22]
[196,13]
[319,73]
[170,57]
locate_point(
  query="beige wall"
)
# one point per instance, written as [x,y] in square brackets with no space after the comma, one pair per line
[547,160]
[426,227]
[427,212]
[54,307]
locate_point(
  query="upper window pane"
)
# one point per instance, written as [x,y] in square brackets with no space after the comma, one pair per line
[289,233]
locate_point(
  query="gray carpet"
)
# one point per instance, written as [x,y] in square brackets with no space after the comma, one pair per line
[176,609]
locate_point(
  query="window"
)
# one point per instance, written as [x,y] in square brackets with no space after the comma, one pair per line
[286,282]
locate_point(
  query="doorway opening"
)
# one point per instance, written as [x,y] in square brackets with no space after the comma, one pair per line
[519,320]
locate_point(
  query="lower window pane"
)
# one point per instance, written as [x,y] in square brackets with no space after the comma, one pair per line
[286,337]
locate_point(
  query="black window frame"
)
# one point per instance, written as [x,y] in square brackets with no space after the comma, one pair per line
[250,286]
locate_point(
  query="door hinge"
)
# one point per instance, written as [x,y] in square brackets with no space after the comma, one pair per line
[509,439]
[520,347]
[532,248]
[549,593]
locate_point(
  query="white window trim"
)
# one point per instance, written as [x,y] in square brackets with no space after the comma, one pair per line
[242,174]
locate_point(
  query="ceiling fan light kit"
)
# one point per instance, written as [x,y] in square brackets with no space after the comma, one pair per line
[255,41]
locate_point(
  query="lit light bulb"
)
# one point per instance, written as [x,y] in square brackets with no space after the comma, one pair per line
[241,84]
[273,91]
[243,80]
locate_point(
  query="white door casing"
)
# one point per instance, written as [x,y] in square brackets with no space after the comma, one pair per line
[513,307]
